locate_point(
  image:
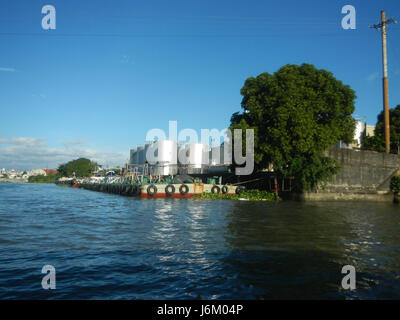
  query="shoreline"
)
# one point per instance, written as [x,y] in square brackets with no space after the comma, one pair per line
[17,181]
[2,180]
[387,197]
[309,196]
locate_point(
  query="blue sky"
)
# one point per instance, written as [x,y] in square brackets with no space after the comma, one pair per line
[112,70]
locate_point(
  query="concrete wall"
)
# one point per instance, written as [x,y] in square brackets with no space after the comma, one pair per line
[363,171]
[364,175]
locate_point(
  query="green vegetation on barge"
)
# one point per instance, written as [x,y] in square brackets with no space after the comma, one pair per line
[251,195]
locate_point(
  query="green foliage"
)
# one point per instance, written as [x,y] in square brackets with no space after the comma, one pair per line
[374,143]
[377,143]
[50,178]
[252,195]
[81,167]
[395,184]
[297,113]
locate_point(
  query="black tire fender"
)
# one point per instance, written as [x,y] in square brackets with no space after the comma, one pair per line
[183,189]
[151,190]
[215,189]
[170,189]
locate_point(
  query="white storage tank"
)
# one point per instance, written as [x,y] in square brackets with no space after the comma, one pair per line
[146,148]
[162,156]
[167,152]
[221,155]
[195,155]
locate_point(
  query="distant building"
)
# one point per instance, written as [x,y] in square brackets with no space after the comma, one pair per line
[361,131]
[50,171]
[12,174]
[370,130]
[37,172]
[359,134]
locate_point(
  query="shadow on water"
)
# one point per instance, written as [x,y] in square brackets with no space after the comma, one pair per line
[295,250]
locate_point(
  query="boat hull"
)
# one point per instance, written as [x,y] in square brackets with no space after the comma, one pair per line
[185,190]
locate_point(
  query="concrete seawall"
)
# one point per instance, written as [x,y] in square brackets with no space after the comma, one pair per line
[363,175]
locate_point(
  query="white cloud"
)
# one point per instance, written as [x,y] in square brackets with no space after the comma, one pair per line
[126,59]
[40,95]
[373,76]
[77,142]
[7,69]
[23,141]
[24,153]
[27,141]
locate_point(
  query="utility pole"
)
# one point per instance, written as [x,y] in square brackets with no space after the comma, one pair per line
[382,26]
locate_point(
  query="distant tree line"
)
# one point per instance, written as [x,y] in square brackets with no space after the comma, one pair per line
[81,167]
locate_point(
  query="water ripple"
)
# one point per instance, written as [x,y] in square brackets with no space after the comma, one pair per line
[110,247]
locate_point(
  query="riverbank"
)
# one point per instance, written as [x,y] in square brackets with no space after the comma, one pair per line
[387,197]
[3,180]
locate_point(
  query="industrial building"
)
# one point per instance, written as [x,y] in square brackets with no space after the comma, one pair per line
[362,129]
[167,157]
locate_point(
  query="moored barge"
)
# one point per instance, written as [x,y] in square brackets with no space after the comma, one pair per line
[151,187]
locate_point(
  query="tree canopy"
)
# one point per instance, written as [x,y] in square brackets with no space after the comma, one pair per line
[82,167]
[297,113]
[377,142]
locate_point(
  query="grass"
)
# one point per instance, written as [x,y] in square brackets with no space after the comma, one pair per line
[251,195]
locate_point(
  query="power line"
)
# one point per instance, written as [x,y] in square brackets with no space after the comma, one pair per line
[153,35]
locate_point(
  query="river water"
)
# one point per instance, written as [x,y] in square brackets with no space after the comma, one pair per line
[105,246]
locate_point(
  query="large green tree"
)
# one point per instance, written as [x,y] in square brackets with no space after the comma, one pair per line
[297,113]
[377,143]
[82,167]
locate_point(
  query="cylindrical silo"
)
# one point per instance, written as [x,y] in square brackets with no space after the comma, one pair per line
[198,155]
[167,152]
[131,158]
[140,155]
[136,156]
